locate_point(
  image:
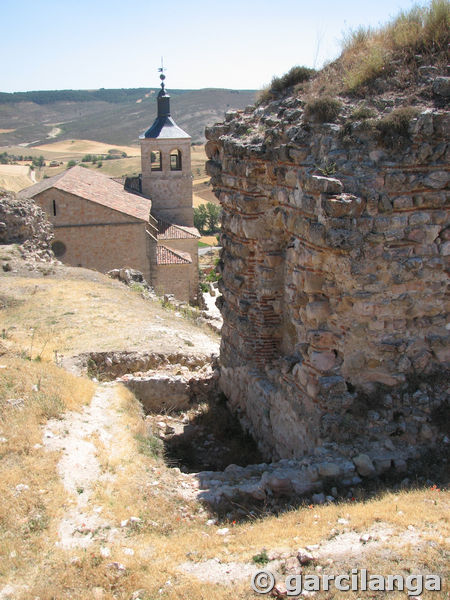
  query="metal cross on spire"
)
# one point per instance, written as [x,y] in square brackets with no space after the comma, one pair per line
[161,69]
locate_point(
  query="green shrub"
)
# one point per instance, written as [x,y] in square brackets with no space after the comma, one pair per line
[149,445]
[363,112]
[294,76]
[261,559]
[71,163]
[393,129]
[323,110]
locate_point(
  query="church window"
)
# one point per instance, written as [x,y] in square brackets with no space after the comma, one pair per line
[59,249]
[54,208]
[175,160]
[155,160]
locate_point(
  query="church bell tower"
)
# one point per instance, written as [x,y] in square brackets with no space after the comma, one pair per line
[166,165]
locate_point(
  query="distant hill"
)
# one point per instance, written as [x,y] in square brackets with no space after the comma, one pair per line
[113,116]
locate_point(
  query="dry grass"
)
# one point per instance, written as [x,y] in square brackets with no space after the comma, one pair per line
[172,530]
[84,311]
[369,53]
[211,240]
[391,52]
[30,393]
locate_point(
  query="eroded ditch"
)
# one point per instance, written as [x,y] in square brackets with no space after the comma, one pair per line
[221,463]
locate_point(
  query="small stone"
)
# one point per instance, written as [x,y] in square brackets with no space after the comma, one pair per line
[364,465]
[304,556]
[318,498]
[400,465]
[365,538]
[441,86]
[124,523]
[118,566]
[15,401]
[128,551]
[291,566]
[223,531]
[210,522]
[105,552]
[343,521]
[22,487]
[426,433]
[280,591]
[329,469]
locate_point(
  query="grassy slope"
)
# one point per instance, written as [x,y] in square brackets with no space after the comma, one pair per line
[72,310]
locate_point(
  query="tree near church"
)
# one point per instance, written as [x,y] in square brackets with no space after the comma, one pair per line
[207,218]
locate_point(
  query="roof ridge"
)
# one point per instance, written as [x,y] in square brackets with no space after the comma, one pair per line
[98,188]
[179,254]
[164,225]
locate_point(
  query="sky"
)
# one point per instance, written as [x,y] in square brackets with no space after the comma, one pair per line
[238,44]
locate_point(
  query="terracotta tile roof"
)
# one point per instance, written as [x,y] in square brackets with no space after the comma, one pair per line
[170,231]
[168,256]
[97,188]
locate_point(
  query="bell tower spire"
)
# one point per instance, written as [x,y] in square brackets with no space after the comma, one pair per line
[163,96]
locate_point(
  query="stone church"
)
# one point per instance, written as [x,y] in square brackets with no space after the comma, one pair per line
[146,224]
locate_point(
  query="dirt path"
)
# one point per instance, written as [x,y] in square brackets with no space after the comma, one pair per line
[79,467]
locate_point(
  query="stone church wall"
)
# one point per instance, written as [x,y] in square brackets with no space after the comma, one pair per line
[95,236]
[191,246]
[176,280]
[335,249]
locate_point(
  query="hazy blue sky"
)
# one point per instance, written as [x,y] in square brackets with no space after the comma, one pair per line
[86,44]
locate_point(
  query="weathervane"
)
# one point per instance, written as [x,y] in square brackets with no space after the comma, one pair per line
[161,69]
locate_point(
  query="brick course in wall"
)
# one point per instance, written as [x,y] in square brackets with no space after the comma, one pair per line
[334,287]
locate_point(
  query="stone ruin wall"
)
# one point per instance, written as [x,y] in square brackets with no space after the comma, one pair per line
[333,287]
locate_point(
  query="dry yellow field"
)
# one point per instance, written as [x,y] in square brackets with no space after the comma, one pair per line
[86,147]
[15,177]
[211,240]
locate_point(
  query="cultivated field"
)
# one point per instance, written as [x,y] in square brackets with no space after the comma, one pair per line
[85,147]
[15,177]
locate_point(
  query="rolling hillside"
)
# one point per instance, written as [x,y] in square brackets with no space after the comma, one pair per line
[111,116]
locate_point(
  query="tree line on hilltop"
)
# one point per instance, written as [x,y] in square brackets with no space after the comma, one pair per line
[114,96]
